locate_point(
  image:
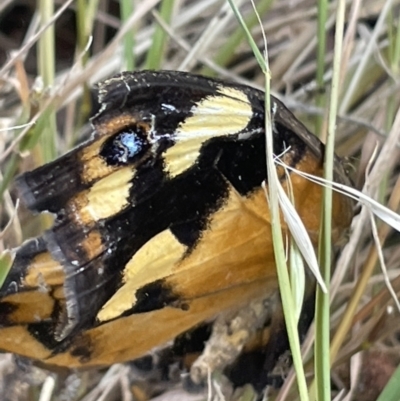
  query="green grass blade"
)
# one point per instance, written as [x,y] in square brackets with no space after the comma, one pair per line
[6,261]
[155,54]
[391,392]
[322,312]
[228,50]
[321,51]
[128,62]
[46,67]
[278,241]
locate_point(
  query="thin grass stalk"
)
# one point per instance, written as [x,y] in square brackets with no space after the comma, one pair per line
[187,47]
[46,68]
[368,268]
[390,109]
[229,48]
[272,197]
[85,19]
[257,54]
[155,55]
[81,28]
[321,51]
[285,287]
[322,310]
[6,260]
[98,61]
[8,174]
[32,40]
[395,46]
[13,223]
[345,104]
[379,301]
[128,62]
[213,29]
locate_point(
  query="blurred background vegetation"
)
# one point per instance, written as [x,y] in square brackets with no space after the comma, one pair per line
[51,54]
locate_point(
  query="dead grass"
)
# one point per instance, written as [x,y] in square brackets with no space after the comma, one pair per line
[204,37]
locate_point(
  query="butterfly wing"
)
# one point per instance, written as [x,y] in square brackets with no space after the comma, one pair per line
[160,216]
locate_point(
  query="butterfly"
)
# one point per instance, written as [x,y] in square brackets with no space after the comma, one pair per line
[161,220]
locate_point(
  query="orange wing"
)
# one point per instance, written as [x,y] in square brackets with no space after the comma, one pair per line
[161,220]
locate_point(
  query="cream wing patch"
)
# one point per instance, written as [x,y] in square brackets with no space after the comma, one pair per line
[226,113]
[155,260]
[110,195]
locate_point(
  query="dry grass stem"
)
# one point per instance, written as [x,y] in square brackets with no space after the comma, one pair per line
[365,286]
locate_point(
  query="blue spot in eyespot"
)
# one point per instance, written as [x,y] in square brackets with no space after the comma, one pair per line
[132,144]
[125,147]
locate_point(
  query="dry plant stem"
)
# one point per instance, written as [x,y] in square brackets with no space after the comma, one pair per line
[307,42]
[219,396]
[355,370]
[47,389]
[360,336]
[287,62]
[111,376]
[382,262]
[209,385]
[33,39]
[377,302]
[385,161]
[183,44]
[291,377]
[345,104]
[95,63]
[322,308]
[348,41]
[346,323]
[124,383]
[22,83]
[285,20]
[322,54]
[317,111]
[16,141]
[214,28]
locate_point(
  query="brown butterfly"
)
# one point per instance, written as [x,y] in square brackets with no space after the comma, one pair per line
[161,221]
